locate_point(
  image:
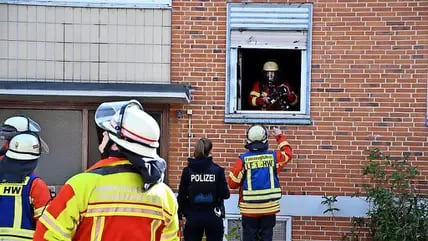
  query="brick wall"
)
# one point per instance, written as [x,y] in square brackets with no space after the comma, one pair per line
[368,89]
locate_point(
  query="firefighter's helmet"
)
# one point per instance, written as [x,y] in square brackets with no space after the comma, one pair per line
[16,124]
[129,126]
[270,66]
[257,133]
[24,146]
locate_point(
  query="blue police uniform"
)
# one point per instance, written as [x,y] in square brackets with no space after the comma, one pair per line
[202,189]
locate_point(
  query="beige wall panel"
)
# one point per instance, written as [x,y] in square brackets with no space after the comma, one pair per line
[147,53]
[32,50]
[31,13]
[112,16]
[77,52]
[50,15]
[12,47]
[139,35]
[148,35]
[13,13]
[112,53]
[50,70]
[22,52]
[11,68]
[130,53]
[112,34]
[77,16]
[41,70]
[84,32]
[41,32]
[121,72]
[166,73]
[23,15]
[68,15]
[41,50]
[31,69]
[3,48]
[166,54]
[68,70]
[148,17]
[84,52]
[60,15]
[121,16]
[139,53]
[50,51]
[22,31]
[103,73]
[59,51]
[3,33]
[3,68]
[12,31]
[112,71]
[122,34]
[21,65]
[93,69]
[59,70]
[130,72]
[32,31]
[104,16]
[85,71]
[157,54]
[94,52]
[3,12]
[57,43]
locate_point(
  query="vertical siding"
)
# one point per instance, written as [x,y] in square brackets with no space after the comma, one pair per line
[85,44]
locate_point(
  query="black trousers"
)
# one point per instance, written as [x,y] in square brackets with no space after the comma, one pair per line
[258,229]
[200,221]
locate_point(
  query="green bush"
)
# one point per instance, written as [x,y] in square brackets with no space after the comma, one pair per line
[397,211]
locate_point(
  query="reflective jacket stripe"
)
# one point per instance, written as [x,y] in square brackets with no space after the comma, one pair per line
[97,228]
[14,234]
[122,210]
[259,208]
[49,221]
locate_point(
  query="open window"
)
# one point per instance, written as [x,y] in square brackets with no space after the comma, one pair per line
[258,33]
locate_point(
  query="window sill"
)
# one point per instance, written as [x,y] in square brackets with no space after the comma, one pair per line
[268,118]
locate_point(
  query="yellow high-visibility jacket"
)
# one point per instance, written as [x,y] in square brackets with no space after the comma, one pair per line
[109,203]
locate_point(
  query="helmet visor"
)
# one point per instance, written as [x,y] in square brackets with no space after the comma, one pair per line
[7,131]
[109,115]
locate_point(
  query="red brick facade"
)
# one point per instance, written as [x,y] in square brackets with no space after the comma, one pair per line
[368,89]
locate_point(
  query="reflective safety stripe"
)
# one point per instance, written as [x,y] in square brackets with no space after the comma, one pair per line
[264,197]
[153,227]
[168,236]
[16,234]
[49,222]
[259,208]
[118,209]
[17,212]
[236,179]
[97,228]
[38,212]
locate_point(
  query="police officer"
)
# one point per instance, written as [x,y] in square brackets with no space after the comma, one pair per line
[255,174]
[23,195]
[202,189]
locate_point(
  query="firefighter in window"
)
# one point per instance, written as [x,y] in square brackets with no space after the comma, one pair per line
[270,93]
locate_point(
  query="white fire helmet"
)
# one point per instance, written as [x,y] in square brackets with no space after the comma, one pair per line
[129,126]
[18,124]
[257,133]
[270,66]
[24,146]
